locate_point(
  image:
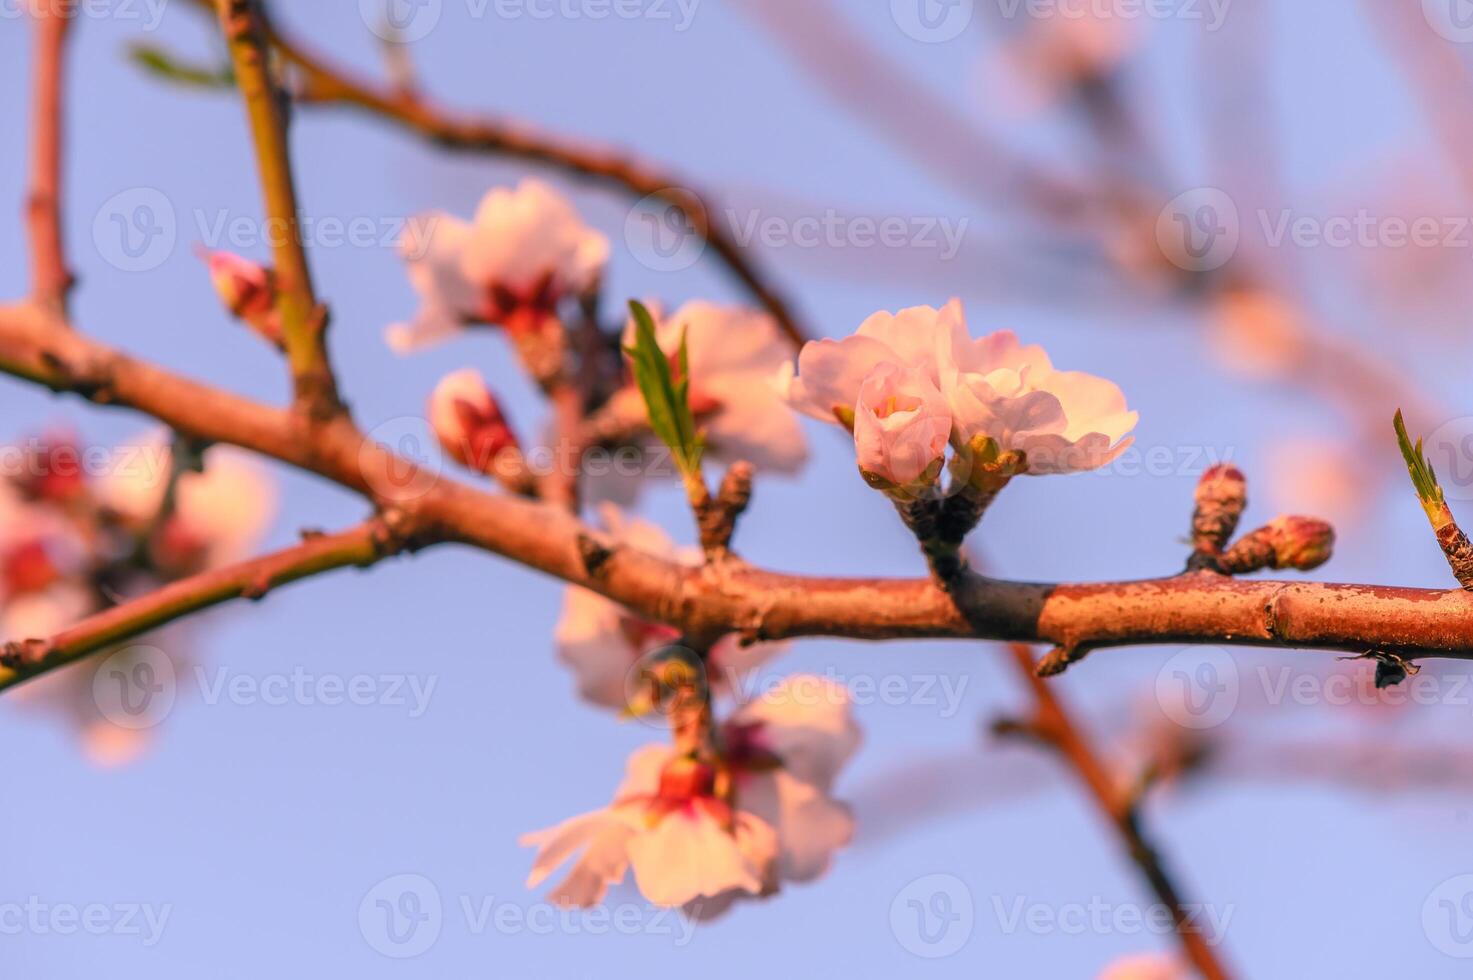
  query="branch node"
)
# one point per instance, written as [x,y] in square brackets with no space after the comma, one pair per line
[717,516]
[1060,659]
[1221,497]
[593,553]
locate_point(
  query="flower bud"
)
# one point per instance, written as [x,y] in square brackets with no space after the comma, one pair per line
[1303,543]
[1222,494]
[468,422]
[248,290]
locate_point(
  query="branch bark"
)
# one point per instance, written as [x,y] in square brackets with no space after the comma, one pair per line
[732,596]
[1053,722]
[364,545]
[328,85]
[303,319]
[50,279]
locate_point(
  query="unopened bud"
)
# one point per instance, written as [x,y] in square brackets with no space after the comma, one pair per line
[1303,543]
[468,422]
[248,290]
[1222,494]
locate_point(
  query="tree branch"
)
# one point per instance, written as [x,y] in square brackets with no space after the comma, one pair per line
[1053,723]
[21,660]
[1201,607]
[325,84]
[50,279]
[303,319]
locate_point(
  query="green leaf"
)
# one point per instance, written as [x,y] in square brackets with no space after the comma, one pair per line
[156,61]
[667,402]
[1424,478]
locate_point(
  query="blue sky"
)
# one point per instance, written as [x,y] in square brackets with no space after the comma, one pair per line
[263,828]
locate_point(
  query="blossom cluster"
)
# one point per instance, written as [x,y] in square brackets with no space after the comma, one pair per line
[739,804]
[75,539]
[911,383]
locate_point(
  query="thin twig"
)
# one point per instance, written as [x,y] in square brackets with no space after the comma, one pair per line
[303,319]
[362,546]
[50,279]
[1053,723]
[325,84]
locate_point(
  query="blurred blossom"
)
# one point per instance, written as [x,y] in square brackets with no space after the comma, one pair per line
[525,250]
[733,352]
[1255,333]
[248,291]
[1148,966]
[468,421]
[1424,284]
[1052,59]
[1318,476]
[666,822]
[215,517]
[75,539]
[702,842]
[786,749]
[604,643]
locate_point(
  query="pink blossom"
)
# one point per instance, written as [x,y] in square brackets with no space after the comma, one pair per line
[786,749]
[248,290]
[884,381]
[524,251]
[666,823]
[603,642]
[689,847]
[1063,421]
[901,427]
[468,421]
[830,372]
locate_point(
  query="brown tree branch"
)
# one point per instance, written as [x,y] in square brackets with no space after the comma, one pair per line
[23,659]
[1053,723]
[303,319]
[732,596]
[50,279]
[326,84]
